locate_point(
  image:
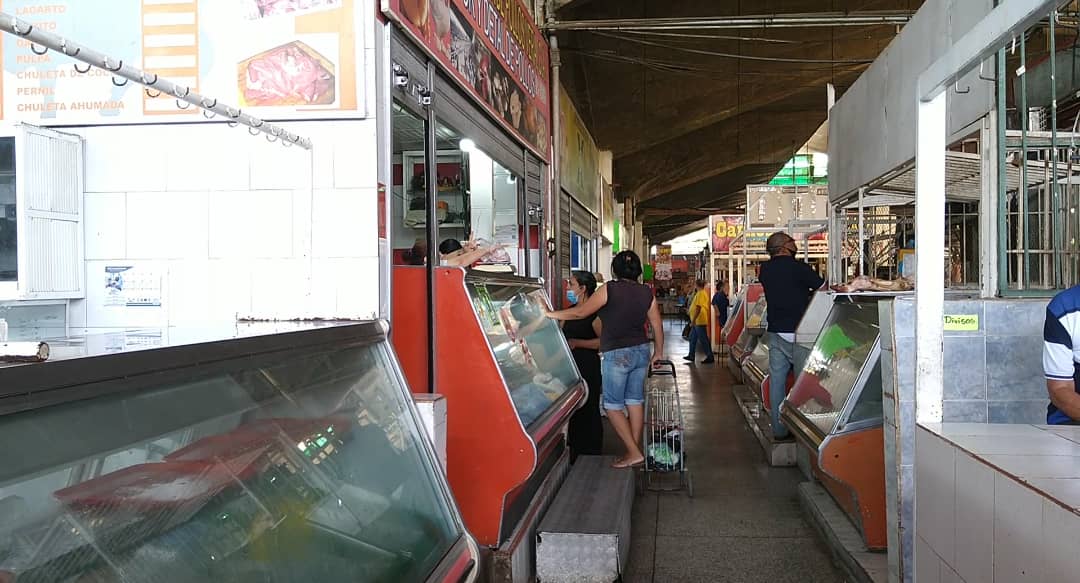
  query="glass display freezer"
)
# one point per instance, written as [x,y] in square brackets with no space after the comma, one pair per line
[835,411]
[744,299]
[287,456]
[511,386]
[753,329]
[755,365]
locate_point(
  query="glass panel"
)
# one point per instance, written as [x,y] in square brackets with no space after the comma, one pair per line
[453,191]
[800,352]
[760,357]
[409,188]
[530,349]
[493,204]
[307,468]
[756,317]
[735,307]
[868,406]
[9,257]
[834,364]
[507,224]
[745,343]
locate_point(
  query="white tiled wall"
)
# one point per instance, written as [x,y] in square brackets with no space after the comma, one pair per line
[976,523]
[975,519]
[233,225]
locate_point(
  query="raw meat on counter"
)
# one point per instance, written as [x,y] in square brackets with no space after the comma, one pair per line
[861,283]
[292,74]
[864,283]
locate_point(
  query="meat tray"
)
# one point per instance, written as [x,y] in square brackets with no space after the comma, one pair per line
[289,75]
[158,485]
[257,435]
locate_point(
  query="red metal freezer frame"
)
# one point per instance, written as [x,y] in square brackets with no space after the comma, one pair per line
[491,342]
[746,300]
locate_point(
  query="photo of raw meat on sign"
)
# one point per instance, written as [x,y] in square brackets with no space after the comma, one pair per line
[263,8]
[289,75]
[432,21]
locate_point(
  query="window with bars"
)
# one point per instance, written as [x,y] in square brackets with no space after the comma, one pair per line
[1039,157]
[888,230]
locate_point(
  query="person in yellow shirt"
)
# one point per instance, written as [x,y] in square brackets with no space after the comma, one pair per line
[699,317]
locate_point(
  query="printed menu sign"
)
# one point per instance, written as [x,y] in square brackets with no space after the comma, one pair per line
[663,262]
[495,51]
[276,59]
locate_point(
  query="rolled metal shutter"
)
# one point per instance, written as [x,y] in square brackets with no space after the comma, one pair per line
[565,213]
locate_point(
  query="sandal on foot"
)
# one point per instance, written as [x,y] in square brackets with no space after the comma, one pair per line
[624,464]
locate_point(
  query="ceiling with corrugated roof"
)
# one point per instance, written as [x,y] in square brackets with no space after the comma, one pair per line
[694,110]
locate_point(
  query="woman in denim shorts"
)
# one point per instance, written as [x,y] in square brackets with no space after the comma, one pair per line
[624,306]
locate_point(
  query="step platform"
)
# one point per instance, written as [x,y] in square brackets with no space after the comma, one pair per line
[847,547]
[585,535]
[777,453]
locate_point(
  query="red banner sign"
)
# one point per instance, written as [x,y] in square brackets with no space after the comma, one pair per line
[723,230]
[495,50]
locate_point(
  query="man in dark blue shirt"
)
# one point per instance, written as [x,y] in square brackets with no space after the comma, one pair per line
[721,303]
[789,284]
[1061,349]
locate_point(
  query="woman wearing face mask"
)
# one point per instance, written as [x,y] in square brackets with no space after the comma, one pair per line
[586,431]
[626,306]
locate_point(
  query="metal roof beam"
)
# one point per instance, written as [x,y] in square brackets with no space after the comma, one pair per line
[812,20]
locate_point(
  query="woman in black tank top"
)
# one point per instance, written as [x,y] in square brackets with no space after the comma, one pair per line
[624,306]
[585,435]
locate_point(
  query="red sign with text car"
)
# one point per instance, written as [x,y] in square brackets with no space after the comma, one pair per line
[724,229]
[493,48]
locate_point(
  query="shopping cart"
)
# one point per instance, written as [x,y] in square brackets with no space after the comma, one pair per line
[665,449]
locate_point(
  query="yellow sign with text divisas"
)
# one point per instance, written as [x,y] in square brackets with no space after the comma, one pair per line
[962,323]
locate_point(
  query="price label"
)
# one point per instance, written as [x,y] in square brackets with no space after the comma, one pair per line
[962,323]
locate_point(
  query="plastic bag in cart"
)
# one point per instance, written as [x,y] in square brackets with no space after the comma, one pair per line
[663,458]
[664,453]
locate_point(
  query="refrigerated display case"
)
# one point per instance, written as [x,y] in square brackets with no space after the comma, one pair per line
[810,326]
[751,334]
[510,385]
[835,411]
[294,456]
[745,298]
[756,364]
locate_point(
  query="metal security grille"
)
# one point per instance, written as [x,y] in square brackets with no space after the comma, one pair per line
[565,211]
[1039,158]
[888,229]
[1041,221]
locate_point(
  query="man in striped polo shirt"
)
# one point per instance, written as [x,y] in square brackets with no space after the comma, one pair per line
[1061,354]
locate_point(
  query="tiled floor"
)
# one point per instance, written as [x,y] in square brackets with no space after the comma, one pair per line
[744,523]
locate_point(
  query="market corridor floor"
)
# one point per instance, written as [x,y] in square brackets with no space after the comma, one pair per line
[744,523]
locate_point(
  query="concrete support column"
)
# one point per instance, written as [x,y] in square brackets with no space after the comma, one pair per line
[930,247]
[988,207]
